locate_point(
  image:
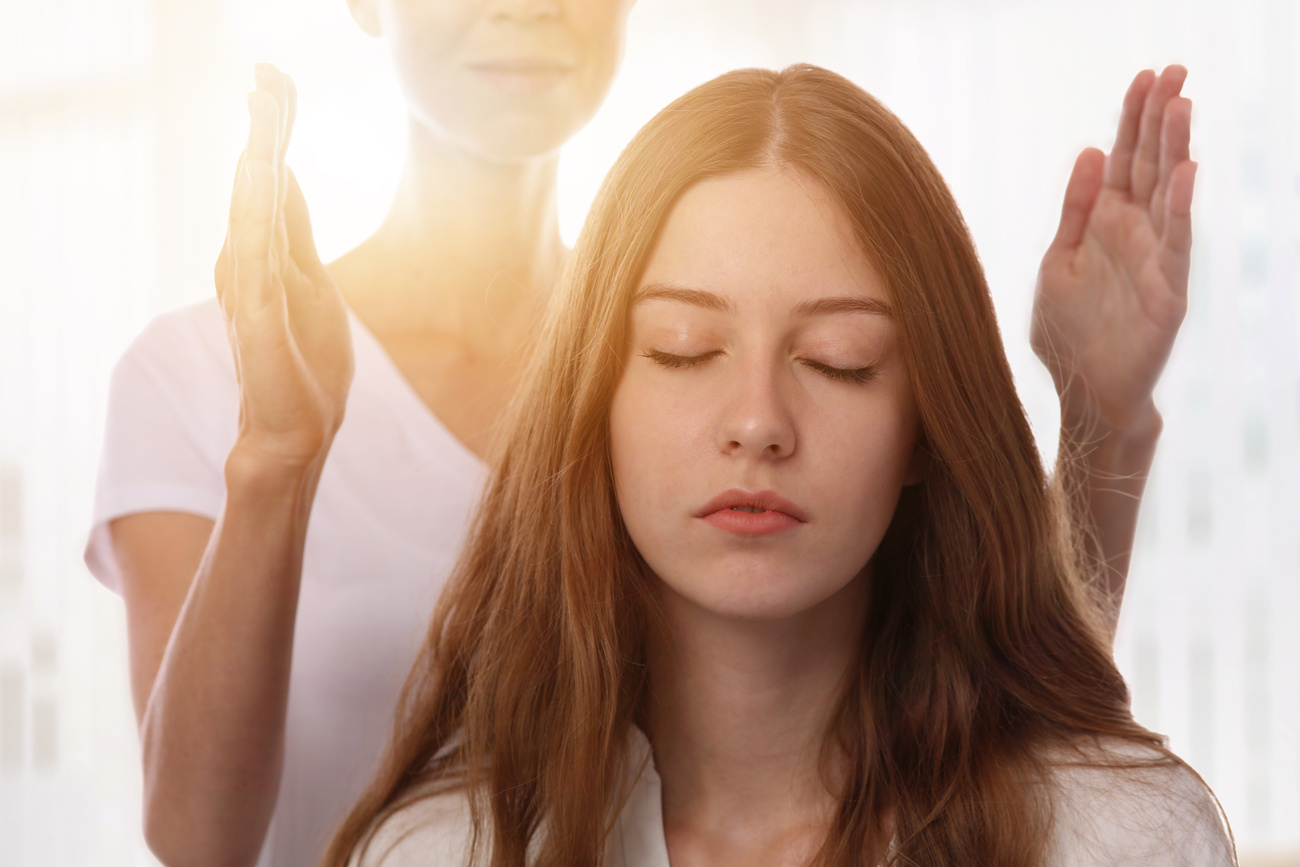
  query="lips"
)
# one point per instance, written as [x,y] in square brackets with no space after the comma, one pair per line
[752,513]
[527,75]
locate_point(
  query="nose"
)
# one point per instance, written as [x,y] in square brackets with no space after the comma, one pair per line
[756,420]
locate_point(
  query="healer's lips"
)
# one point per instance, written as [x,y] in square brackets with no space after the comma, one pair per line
[524,74]
[755,513]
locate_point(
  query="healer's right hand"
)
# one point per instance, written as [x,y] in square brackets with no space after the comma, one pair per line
[287,321]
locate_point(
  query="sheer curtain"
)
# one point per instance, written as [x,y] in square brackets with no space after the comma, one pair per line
[120,121]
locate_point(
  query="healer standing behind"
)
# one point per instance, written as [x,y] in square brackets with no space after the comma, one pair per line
[266,658]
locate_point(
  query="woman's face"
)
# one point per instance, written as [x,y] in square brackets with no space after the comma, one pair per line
[505,79]
[764,424]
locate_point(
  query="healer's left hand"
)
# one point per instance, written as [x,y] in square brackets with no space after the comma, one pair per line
[1112,289]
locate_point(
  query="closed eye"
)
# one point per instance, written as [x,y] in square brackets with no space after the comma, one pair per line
[856,375]
[666,359]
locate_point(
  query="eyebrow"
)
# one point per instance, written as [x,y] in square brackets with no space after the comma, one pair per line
[711,301]
[682,295]
[822,306]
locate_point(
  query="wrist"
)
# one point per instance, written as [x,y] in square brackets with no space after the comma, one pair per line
[261,469]
[1087,418]
[1109,446]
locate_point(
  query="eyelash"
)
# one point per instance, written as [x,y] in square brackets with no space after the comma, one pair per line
[856,376]
[664,359]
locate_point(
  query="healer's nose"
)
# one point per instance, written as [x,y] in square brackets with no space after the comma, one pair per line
[756,421]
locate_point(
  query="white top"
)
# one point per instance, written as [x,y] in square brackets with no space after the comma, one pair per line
[1156,817]
[388,522]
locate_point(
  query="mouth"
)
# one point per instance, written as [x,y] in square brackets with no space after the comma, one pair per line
[752,513]
[523,74]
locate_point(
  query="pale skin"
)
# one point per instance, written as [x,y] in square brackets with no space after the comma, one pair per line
[762,363]
[448,285]
[211,606]
[1128,216]
[735,381]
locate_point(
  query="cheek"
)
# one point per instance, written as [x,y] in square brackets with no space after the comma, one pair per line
[601,24]
[630,450]
[653,434]
[636,444]
[878,450]
[623,444]
[601,29]
[874,446]
[420,33]
[422,40]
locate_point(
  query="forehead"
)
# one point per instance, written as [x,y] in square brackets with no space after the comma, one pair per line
[766,234]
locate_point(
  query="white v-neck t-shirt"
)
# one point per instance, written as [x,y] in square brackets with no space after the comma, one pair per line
[1161,816]
[387,526]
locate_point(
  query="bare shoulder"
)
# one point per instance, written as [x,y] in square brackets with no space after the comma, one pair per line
[432,831]
[1115,802]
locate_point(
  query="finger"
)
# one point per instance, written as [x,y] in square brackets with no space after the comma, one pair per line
[1080,195]
[251,239]
[1120,163]
[290,111]
[253,209]
[1175,136]
[271,80]
[278,85]
[1175,149]
[237,218]
[263,128]
[1176,255]
[223,271]
[1146,161]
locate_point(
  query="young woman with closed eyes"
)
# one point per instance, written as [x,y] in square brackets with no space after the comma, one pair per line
[768,570]
[267,654]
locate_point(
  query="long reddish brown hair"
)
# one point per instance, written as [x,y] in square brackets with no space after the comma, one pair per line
[982,645]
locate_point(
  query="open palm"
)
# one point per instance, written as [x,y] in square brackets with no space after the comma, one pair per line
[1112,289]
[287,322]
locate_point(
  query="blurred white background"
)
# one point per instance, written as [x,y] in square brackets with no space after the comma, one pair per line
[120,124]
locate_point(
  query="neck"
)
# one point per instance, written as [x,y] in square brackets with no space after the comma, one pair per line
[467,249]
[739,716]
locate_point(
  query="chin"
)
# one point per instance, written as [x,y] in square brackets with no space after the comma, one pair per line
[757,598]
[507,130]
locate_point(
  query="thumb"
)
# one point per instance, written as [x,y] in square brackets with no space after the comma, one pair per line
[1080,195]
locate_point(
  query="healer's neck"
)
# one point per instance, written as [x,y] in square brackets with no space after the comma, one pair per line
[740,709]
[464,232]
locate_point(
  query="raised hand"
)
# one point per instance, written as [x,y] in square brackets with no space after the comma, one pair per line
[287,322]
[1112,289]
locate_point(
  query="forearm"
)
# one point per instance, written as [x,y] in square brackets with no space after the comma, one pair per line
[1105,472]
[213,729]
